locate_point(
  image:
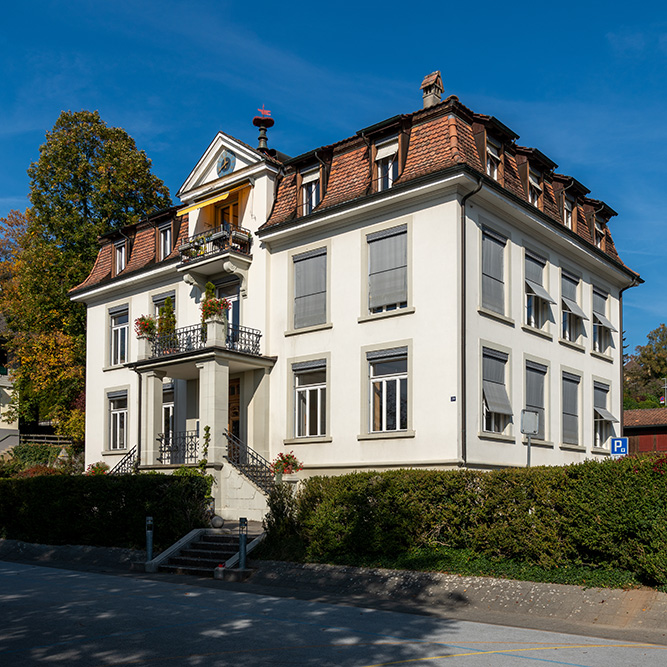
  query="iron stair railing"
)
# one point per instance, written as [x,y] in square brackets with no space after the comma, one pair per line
[249,463]
[127,465]
[178,447]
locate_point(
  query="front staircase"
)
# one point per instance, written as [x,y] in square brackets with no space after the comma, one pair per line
[249,463]
[208,550]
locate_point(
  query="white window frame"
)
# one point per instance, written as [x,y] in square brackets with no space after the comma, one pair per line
[119,336]
[304,396]
[117,420]
[602,327]
[120,257]
[602,418]
[572,316]
[540,406]
[534,187]
[538,300]
[599,232]
[386,162]
[381,385]
[495,395]
[310,190]
[568,212]
[165,242]
[492,159]
[489,278]
[571,378]
[378,237]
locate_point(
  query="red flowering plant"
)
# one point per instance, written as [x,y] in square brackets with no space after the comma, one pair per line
[99,468]
[211,306]
[286,464]
[145,326]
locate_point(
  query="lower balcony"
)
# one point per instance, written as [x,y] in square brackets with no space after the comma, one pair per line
[192,338]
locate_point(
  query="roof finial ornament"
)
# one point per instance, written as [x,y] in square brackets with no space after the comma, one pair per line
[263,122]
[432,89]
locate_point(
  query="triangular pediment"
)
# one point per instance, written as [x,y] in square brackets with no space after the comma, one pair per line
[224,157]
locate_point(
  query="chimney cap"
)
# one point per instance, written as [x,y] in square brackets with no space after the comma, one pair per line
[432,89]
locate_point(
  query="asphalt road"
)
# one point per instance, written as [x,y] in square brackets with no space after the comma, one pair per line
[62,617]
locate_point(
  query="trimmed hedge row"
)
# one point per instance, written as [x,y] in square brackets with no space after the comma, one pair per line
[596,513]
[108,510]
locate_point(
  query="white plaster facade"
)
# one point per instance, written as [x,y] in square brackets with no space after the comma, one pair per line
[441,331]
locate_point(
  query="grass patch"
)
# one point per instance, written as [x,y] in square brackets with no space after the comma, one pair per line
[467,563]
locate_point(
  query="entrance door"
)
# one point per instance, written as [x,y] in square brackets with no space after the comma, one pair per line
[234,425]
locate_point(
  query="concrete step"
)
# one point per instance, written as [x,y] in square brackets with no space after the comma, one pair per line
[196,571]
[201,563]
[219,554]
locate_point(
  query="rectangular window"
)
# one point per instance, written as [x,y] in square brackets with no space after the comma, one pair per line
[538,310]
[228,216]
[534,188]
[570,435]
[496,408]
[573,315]
[159,301]
[386,160]
[119,335]
[121,257]
[492,159]
[602,327]
[568,210]
[310,288]
[117,420]
[310,190]
[535,380]
[388,371]
[603,419]
[388,269]
[599,233]
[165,242]
[310,399]
[493,272]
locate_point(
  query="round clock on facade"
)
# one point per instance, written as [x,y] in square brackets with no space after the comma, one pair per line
[226,163]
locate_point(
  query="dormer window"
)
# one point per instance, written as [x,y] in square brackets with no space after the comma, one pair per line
[492,159]
[386,161]
[534,187]
[568,212]
[120,258]
[599,233]
[310,190]
[165,242]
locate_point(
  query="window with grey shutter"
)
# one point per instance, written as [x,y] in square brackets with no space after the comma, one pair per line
[602,327]
[388,269]
[600,395]
[570,433]
[569,296]
[493,382]
[310,288]
[493,283]
[535,376]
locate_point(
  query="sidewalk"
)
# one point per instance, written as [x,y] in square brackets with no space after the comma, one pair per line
[638,615]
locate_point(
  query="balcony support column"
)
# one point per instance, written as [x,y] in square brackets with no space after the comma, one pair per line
[152,422]
[259,437]
[214,405]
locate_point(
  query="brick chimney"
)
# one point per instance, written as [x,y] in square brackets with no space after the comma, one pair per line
[432,89]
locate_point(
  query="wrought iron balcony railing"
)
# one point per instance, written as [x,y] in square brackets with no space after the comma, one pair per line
[216,241]
[178,447]
[189,339]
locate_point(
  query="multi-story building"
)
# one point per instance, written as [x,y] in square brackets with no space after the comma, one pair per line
[398,298]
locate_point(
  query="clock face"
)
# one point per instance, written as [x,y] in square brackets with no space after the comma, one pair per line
[226,162]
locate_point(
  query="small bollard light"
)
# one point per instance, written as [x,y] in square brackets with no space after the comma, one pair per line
[149,538]
[243,541]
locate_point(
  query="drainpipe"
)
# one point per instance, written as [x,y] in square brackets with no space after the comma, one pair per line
[464,392]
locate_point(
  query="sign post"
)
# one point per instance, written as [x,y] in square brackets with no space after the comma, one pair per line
[530,425]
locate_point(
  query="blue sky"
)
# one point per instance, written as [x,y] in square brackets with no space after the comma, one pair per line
[586,83]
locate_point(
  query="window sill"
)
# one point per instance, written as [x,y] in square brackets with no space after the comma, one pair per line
[114,452]
[386,435]
[600,450]
[314,440]
[315,327]
[603,357]
[385,314]
[496,316]
[497,437]
[575,346]
[572,448]
[537,332]
[113,368]
[547,444]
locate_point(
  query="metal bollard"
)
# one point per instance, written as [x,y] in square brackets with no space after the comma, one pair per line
[243,542]
[149,538]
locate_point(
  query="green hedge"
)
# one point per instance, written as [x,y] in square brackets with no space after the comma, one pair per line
[611,513]
[107,510]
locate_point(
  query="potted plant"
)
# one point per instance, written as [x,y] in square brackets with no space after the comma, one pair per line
[213,308]
[285,464]
[166,328]
[145,326]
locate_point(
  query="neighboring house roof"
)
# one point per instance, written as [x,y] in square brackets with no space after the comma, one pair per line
[645,418]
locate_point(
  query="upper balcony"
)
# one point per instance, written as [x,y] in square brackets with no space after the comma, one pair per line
[214,243]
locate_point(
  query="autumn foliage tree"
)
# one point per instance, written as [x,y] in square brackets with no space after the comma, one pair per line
[89,179]
[645,370]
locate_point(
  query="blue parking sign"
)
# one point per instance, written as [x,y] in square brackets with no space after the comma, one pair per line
[619,446]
